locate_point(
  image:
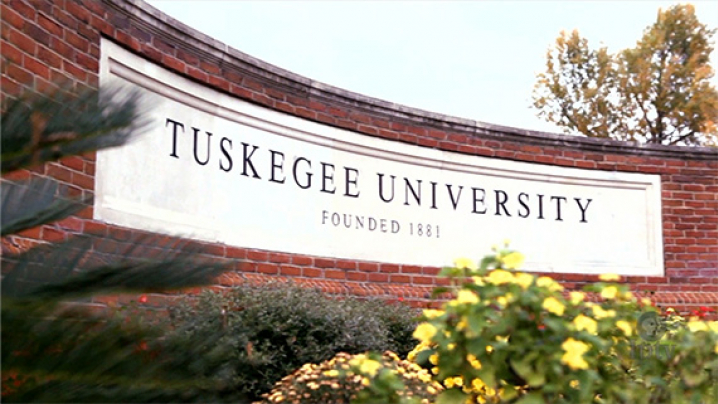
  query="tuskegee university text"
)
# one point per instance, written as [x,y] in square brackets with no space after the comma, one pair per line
[259,163]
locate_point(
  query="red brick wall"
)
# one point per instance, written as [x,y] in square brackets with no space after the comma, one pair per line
[49,41]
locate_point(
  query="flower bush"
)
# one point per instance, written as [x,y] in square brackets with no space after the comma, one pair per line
[512,337]
[361,378]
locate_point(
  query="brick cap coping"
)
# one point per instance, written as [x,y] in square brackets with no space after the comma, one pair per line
[195,42]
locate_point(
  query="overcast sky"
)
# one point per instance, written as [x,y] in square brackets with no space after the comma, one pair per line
[470,59]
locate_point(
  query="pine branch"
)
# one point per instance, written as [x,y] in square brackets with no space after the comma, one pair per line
[35,202]
[150,276]
[81,266]
[42,127]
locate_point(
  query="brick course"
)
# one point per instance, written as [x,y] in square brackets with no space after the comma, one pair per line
[45,42]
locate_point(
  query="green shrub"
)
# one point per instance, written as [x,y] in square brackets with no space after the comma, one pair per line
[399,320]
[252,336]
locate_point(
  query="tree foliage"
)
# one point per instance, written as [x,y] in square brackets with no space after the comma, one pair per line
[54,350]
[657,92]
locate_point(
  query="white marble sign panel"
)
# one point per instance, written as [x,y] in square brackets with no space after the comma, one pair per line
[220,169]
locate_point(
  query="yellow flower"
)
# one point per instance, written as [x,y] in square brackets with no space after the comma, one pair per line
[585,323]
[499,277]
[331,373]
[431,390]
[554,306]
[548,283]
[370,366]
[609,277]
[365,381]
[432,313]
[713,325]
[573,354]
[696,326]
[600,313]
[609,292]
[524,280]
[424,332]
[465,263]
[434,359]
[576,297]
[467,297]
[625,326]
[512,260]
[462,324]
[574,384]
[475,363]
[478,280]
[453,381]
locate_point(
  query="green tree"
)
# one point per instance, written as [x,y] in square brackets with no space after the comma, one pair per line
[658,92]
[54,350]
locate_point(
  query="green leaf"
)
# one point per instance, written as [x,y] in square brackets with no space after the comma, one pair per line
[450,272]
[487,261]
[476,346]
[477,323]
[423,356]
[554,323]
[524,368]
[532,398]
[451,396]
[509,393]
[488,375]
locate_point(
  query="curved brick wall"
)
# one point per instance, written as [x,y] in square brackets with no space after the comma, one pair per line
[47,41]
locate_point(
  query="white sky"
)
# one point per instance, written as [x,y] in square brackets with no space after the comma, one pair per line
[470,59]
